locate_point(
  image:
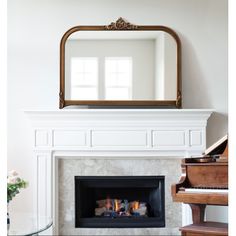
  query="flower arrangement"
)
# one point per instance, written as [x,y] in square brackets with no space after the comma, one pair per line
[14,184]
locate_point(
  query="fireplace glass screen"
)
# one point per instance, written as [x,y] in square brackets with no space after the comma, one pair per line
[119,201]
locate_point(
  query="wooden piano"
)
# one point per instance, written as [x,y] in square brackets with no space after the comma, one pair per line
[204,181]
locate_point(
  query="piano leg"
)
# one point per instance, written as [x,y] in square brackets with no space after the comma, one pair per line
[198,212]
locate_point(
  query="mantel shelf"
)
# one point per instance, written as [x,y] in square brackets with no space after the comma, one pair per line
[195,116]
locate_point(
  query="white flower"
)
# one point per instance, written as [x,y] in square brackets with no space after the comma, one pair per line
[12,180]
[13,173]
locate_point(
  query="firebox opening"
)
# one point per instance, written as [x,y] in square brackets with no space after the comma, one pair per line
[119,201]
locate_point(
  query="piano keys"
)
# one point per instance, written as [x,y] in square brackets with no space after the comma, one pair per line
[205,190]
[202,176]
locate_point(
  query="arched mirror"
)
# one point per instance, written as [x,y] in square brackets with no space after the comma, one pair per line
[120,64]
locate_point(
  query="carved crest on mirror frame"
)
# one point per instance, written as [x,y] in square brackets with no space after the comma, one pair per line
[121,24]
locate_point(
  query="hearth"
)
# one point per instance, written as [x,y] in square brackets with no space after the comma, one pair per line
[119,201]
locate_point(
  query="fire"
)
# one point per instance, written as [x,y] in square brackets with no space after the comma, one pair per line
[136,205]
[116,205]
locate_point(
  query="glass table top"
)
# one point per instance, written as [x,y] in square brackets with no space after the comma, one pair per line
[28,224]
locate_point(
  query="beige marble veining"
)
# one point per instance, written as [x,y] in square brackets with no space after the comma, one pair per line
[68,168]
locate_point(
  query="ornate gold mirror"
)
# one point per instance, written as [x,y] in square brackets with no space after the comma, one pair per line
[120,64]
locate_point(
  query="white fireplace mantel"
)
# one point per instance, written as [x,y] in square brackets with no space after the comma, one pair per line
[117,133]
[167,132]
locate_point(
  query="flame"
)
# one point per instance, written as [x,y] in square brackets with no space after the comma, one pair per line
[136,205]
[116,205]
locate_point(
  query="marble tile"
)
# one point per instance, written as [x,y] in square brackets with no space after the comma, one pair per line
[68,168]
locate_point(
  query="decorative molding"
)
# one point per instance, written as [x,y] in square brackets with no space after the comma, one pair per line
[41,138]
[121,24]
[81,130]
[147,116]
[43,164]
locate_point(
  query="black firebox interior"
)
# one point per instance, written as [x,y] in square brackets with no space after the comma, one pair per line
[148,189]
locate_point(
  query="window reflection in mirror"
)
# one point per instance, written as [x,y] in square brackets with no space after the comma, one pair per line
[84,78]
[118,78]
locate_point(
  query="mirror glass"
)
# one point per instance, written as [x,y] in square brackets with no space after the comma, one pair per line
[120,65]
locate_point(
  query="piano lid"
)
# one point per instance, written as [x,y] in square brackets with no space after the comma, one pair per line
[218,147]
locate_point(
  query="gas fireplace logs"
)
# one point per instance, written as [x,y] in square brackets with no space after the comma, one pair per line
[120,208]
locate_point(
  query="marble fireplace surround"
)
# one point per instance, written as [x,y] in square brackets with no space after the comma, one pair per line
[103,134]
[125,166]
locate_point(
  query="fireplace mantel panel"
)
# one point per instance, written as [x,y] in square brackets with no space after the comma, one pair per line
[161,131]
[109,133]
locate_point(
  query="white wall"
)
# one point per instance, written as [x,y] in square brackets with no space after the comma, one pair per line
[35,28]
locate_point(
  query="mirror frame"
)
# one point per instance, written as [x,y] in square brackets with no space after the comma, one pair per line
[120,25]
